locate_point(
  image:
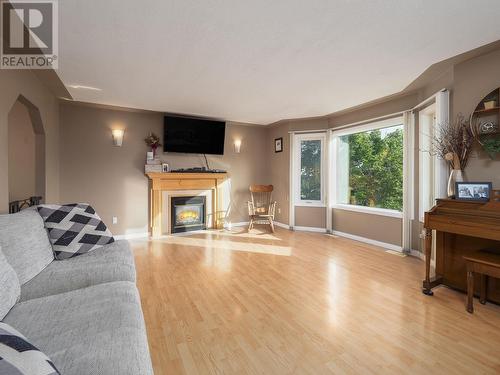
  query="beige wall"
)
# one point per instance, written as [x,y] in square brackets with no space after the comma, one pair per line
[314,217]
[375,227]
[24,82]
[384,108]
[474,79]
[91,169]
[112,178]
[21,145]
[280,172]
[468,81]
[279,165]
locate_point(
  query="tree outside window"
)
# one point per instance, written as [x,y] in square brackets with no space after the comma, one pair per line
[310,170]
[371,165]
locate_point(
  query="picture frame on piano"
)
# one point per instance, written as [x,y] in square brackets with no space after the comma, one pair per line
[473,191]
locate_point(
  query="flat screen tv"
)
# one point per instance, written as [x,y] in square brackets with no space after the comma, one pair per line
[193,135]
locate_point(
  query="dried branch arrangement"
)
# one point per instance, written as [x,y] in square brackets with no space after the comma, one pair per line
[453,142]
[152,140]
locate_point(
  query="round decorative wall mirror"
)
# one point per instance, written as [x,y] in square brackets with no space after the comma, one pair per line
[484,123]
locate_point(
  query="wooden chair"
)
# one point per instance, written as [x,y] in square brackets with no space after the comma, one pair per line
[261,207]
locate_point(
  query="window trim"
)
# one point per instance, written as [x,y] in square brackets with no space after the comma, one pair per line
[426,181]
[298,138]
[369,210]
[365,127]
[310,203]
[387,123]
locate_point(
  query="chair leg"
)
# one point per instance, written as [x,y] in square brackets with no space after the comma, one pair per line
[250,226]
[484,286]
[271,223]
[470,291]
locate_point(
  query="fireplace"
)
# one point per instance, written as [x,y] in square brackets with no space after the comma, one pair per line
[187,213]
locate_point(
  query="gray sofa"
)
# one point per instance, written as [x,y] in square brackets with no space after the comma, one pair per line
[84,312]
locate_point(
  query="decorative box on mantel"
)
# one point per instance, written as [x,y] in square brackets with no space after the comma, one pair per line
[153,165]
[160,182]
[152,168]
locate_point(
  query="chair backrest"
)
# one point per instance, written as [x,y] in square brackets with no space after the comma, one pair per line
[261,196]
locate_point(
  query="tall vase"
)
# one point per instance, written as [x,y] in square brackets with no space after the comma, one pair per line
[455,176]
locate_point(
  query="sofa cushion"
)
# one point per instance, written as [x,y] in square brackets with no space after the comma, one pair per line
[95,330]
[113,262]
[74,229]
[25,243]
[9,286]
[19,357]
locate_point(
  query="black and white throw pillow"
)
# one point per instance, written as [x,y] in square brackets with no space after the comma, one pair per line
[74,229]
[19,357]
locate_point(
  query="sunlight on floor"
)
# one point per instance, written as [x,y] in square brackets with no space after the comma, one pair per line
[334,294]
[244,233]
[218,258]
[228,245]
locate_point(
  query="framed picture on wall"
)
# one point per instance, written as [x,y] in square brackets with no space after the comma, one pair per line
[473,191]
[278,144]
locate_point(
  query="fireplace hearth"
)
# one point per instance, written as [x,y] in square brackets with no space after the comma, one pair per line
[187,214]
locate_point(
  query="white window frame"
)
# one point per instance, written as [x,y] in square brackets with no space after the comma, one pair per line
[298,138]
[426,180]
[439,105]
[335,134]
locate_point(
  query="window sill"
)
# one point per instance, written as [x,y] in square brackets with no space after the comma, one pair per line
[369,210]
[309,204]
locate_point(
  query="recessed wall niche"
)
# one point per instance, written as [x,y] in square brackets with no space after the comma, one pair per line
[26,151]
[485,123]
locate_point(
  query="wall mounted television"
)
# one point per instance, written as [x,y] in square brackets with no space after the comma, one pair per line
[193,135]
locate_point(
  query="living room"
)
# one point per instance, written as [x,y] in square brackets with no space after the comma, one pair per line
[233,188]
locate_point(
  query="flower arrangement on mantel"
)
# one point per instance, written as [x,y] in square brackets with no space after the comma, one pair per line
[153,141]
[453,142]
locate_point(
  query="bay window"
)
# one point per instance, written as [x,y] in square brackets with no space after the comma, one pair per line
[368,167]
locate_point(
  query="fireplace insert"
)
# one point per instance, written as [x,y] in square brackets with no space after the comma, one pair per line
[187,213]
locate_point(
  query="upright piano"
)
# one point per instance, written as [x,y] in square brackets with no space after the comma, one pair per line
[460,227]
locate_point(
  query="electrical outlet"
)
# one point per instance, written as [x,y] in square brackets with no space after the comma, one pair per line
[115,220]
[279,210]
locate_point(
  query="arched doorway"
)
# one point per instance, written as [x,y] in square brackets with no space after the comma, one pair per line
[26,151]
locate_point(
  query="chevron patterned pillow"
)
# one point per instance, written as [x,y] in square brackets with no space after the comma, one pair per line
[19,357]
[74,229]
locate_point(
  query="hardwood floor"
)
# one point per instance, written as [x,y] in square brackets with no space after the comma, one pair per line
[294,302]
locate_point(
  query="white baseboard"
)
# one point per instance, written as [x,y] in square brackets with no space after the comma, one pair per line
[246,223]
[131,236]
[385,245]
[310,229]
[417,254]
[281,225]
[188,233]
[232,225]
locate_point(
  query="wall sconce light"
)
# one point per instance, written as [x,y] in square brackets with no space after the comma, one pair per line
[237,146]
[117,137]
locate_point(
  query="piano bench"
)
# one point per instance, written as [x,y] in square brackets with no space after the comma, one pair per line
[485,263]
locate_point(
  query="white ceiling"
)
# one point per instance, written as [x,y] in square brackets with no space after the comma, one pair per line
[260,61]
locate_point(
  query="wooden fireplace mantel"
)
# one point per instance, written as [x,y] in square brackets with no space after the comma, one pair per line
[160,182]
